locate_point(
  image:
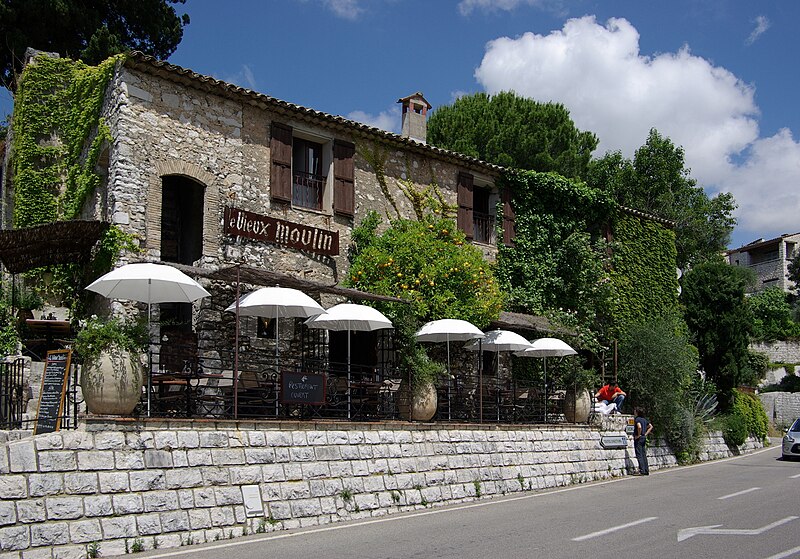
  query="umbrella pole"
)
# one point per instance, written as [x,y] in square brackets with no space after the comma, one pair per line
[149,352]
[449,379]
[348,372]
[236,353]
[480,386]
[545,389]
[497,386]
[277,357]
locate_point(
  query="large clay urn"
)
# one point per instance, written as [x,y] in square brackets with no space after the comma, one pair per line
[577,405]
[112,382]
[419,404]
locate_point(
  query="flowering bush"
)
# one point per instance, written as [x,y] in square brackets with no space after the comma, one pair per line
[430,264]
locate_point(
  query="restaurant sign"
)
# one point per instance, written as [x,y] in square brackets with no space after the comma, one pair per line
[280,232]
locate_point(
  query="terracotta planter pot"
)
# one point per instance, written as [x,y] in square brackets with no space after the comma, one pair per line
[112,383]
[417,406]
[577,405]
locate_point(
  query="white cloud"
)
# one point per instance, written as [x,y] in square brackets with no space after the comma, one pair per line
[345,9]
[765,186]
[610,88]
[243,78]
[465,7]
[762,24]
[388,120]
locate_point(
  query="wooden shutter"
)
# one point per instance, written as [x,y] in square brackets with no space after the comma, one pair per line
[508,219]
[465,220]
[344,190]
[280,186]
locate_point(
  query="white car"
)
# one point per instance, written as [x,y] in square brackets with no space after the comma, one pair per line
[791,441]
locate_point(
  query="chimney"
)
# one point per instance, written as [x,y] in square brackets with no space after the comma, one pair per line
[415,111]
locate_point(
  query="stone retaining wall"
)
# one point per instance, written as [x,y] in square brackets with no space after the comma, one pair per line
[781,407]
[137,485]
[779,351]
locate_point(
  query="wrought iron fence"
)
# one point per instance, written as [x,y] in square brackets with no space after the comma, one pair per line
[307,190]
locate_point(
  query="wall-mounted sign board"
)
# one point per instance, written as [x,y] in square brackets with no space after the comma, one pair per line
[614,441]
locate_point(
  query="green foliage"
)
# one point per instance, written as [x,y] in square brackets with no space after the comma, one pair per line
[789,383]
[58,138]
[773,315]
[720,322]
[556,268]
[656,367]
[88,31]
[682,432]
[8,330]
[513,131]
[643,276]
[657,181]
[429,264]
[750,409]
[98,334]
[757,367]
[734,431]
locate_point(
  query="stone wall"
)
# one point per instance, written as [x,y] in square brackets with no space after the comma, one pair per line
[131,485]
[779,351]
[781,407]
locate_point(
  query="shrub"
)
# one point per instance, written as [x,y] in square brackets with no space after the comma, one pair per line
[789,383]
[681,432]
[735,430]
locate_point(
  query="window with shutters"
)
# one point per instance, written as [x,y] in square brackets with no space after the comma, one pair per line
[311,171]
[477,209]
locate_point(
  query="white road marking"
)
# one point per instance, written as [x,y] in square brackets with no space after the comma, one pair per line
[739,493]
[714,530]
[794,477]
[782,554]
[613,529]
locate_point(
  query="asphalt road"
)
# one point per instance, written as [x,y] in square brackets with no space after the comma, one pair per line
[746,507]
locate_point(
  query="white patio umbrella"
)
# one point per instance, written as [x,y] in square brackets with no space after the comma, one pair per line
[149,283]
[350,317]
[497,341]
[270,302]
[276,302]
[547,347]
[445,330]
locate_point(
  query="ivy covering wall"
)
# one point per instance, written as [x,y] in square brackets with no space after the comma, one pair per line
[563,266]
[643,272]
[58,138]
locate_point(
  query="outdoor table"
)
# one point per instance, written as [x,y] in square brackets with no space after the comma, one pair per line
[183,386]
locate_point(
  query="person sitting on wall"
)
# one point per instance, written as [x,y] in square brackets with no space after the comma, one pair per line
[611,393]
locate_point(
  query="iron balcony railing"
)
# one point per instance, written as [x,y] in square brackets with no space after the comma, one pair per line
[484,228]
[307,190]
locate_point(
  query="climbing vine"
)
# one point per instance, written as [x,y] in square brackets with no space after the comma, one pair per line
[59,135]
[643,273]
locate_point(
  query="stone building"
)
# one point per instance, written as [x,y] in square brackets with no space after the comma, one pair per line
[210,175]
[769,259]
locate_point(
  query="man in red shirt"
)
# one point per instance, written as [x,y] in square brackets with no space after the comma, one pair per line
[611,393]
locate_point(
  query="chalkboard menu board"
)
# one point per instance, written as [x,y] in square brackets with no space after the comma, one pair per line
[54,387]
[302,388]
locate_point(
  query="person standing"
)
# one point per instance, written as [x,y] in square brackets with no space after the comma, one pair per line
[641,429]
[611,393]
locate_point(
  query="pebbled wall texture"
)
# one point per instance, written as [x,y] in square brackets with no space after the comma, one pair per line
[123,485]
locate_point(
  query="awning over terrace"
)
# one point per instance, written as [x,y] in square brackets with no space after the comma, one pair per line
[60,242]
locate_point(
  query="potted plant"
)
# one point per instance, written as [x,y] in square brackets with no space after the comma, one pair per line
[577,396]
[113,353]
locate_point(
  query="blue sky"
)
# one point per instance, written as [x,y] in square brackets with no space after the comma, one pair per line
[719,77]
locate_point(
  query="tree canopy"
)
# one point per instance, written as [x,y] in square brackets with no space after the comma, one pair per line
[720,320]
[513,131]
[89,31]
[657,181]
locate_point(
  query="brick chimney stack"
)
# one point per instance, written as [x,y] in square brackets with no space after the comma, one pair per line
[415,111]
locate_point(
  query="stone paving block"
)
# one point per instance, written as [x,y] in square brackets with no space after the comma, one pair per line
[185,498]
[199,457]
[13,487]
[38,553]
[22,456]
[95,460]
[147,480]
[51,441]
[154,458]
[175,521]
[215,475]
[40,485]
[227,456]
[222,516]
[49,533]
[85,531]
[113,482]
[183,478]
[57,461]
[14,538]
[109,440]
[204,497]
[129,460]
[188,439]
[158,501]
[63,508]
[118,527]
[99,505]
[228,495]
[129,503]
[259,455]
[213,439]
[165,440]
[278,438]
[77,440]
[80,483]
[293,471]
[149,524]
